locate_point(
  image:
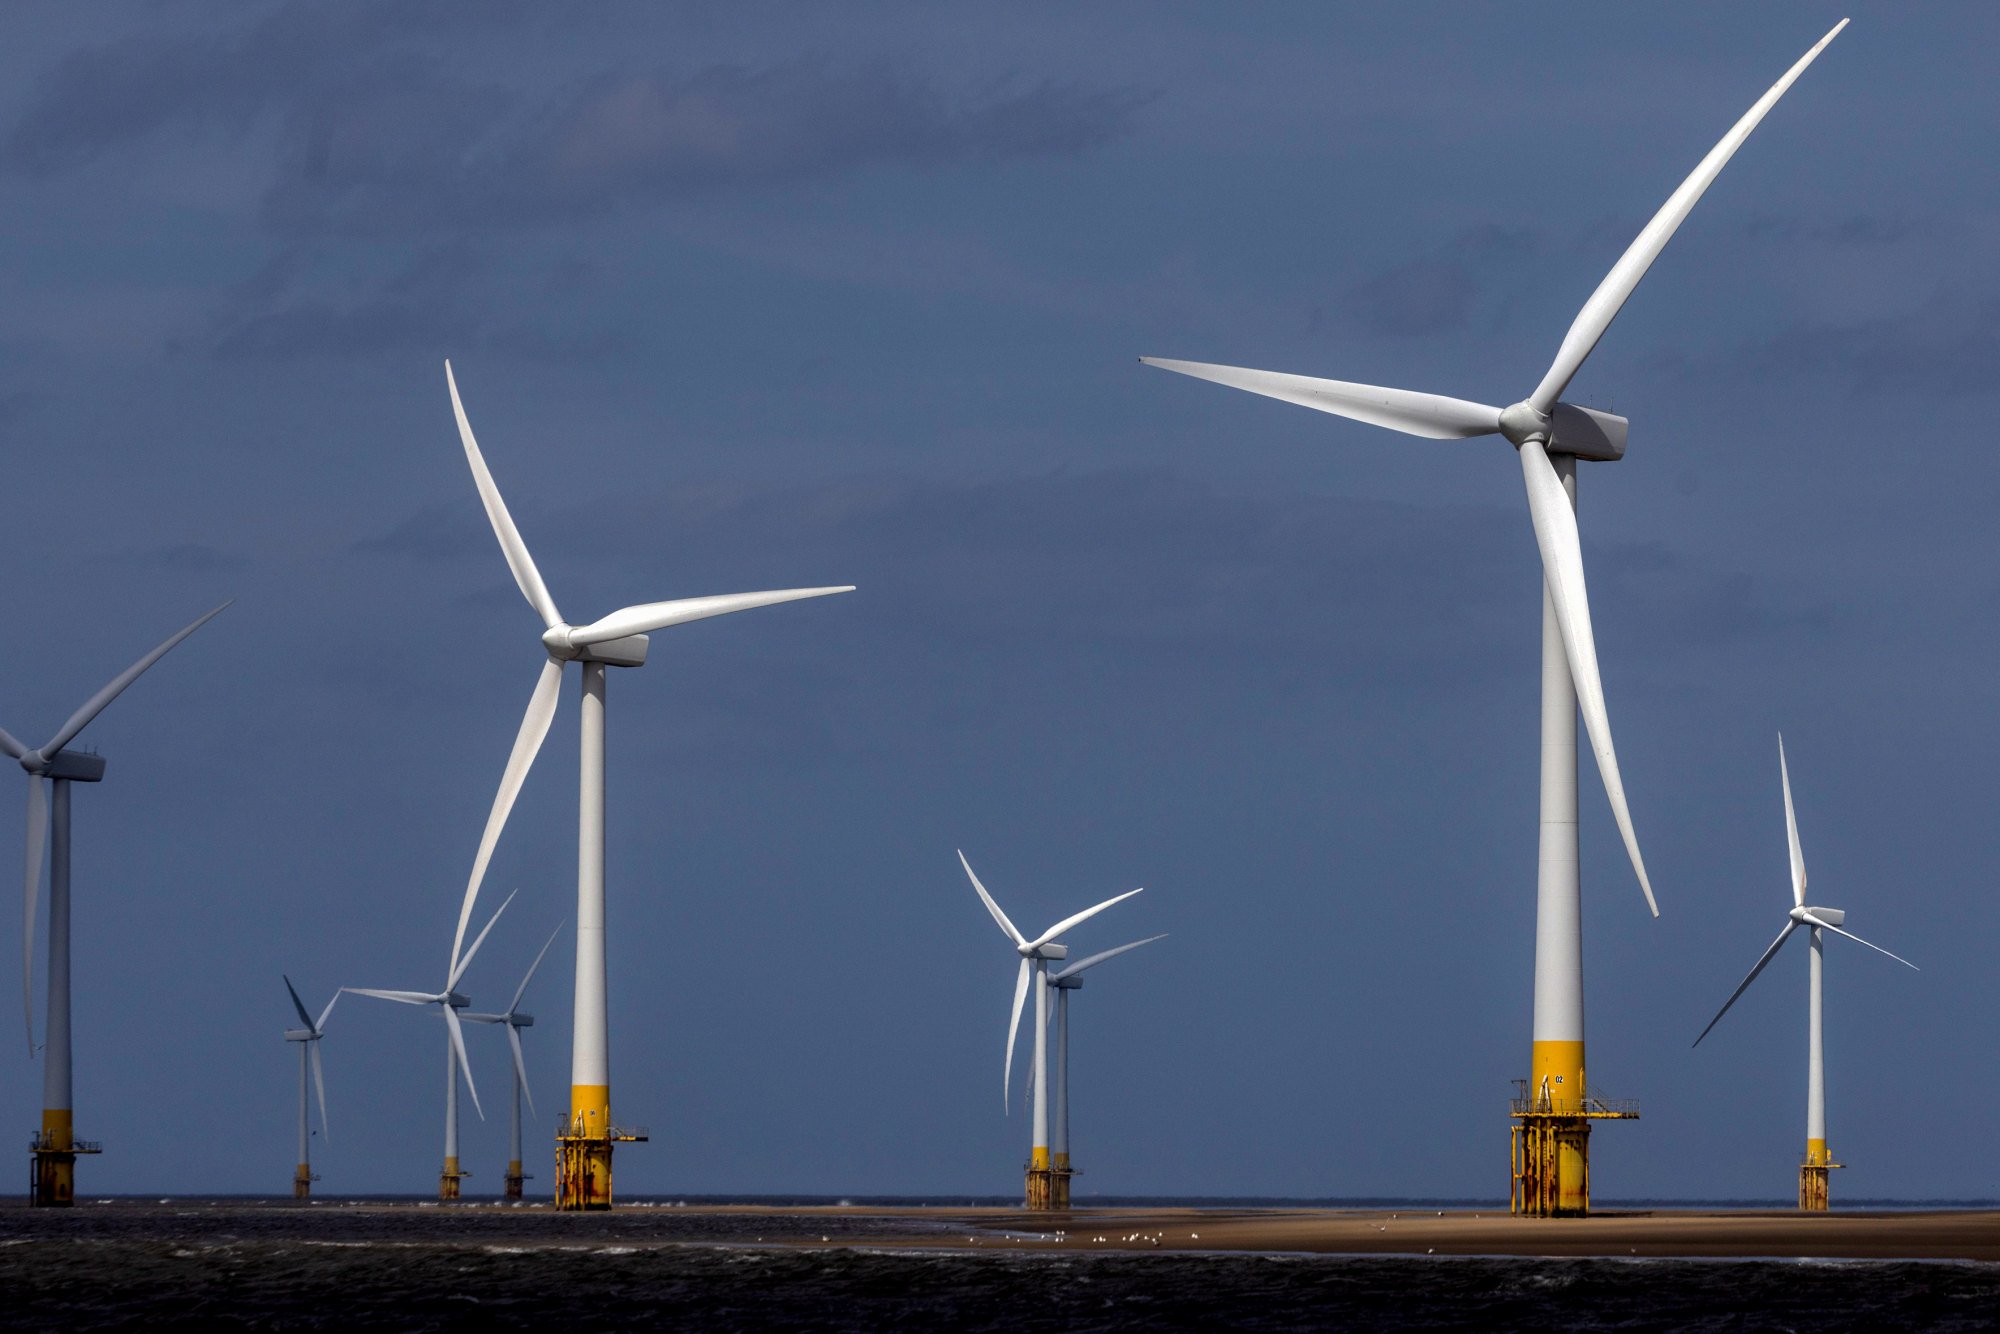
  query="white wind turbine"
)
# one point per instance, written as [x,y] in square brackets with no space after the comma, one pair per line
[56,1146]
[449,1002]
[1549,435]
[308,1039]
[1812,1174]
[515,1019]
[617,640]
[1061,982]
[1035,955]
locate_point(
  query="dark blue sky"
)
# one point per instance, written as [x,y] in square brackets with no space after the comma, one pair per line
[746,296]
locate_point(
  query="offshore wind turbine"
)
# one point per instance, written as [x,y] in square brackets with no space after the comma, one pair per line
[449,1002]
[617,640]
[1061,982]
[1551,1137]
[1036,955]
[1813,1168]
[308,1039]
[516,1019]
[55,1147]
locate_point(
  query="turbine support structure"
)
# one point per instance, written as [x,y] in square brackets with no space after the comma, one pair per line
[585,1137]
[1553,1108]
[1817,1164]
[55,1147]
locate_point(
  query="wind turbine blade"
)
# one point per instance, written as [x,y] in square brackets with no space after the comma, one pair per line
[1744,985]
[1013,1031]
[1432,416]
[405,997]
[527,744]
[1080,918]
[1606,301]
[38,833]
[1562,566]
[521,1066]
[511,545]
[319,1084]
[1095,959]
[11,744]
[298,1004]
[96,703]
[991,906]
[1792,831]
[325,1014]
[659,615]
[522,990]
[484,931]
[464,1065]
[1826,926]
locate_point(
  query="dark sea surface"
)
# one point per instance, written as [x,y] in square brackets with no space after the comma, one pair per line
[235,1265]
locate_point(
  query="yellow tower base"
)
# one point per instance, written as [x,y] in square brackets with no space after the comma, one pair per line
[1813,1172]
[52,1178]
[583,1150]
[513,1179]
[302,1182]
[449,1178]
[1551,1150]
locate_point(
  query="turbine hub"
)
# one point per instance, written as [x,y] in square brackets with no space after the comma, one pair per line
[1521,423]
[556,640]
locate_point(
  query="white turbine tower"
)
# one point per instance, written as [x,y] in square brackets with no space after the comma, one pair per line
[1036,956]
[449,1002]
[1552,1139]
[308,1039]
[617,640]
[56,1147]
[1061,982]
[1816,1163]
[515,1020]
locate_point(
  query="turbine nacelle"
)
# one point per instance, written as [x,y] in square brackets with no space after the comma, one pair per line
[1049,951]
[72,766]
[1818,916]
[1581,433]
[300,1035]
[626,651]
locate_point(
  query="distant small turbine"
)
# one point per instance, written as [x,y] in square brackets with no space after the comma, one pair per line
[1062,982]
[56,1147]
[1035,955]
[308,1039]
[515,1020]
[449,1002]
[1813,1171]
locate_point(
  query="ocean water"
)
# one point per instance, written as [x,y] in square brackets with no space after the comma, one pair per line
[231,1267]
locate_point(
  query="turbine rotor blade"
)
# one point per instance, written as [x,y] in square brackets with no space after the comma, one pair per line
[1080,918]
[319,1084]
[511,546]
[96,703]
[464,1065]
[521,1066]
[1606,301]
[38,833]
[992,907]
[1562,567]
[11,744]
[527,745]
[1073,969]
[1432,416]
[327,1013]
[299,1005]
[1744,985]
[404,997]
[1827,926]
[484,931]
[651,616]
[1013,1031]
[1792,831]
[522,990]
